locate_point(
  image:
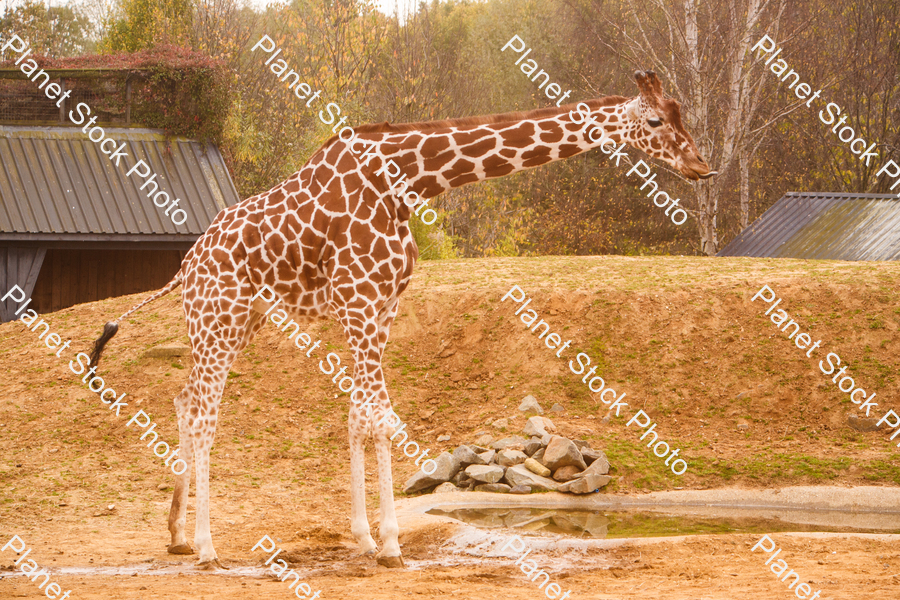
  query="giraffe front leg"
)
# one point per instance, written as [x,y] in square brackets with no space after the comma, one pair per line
[388,528]
[359,523]
[370,407]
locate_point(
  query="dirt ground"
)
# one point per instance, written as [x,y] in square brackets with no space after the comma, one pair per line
[681,336]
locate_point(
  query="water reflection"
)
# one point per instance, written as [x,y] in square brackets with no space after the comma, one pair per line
[576,523]
[619,524]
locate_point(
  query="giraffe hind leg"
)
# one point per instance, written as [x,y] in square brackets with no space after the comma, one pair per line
[212,369]
[359,522]
[388,528]
[178,511]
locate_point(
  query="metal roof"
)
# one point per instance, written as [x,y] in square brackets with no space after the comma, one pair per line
[56,184]
[824,226]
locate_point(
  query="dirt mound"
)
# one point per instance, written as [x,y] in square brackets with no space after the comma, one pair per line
[679,335]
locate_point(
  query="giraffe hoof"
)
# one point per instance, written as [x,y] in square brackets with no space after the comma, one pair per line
[391,562]
[181,549]
[208,564]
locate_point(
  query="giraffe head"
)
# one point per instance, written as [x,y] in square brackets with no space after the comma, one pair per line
[654,125]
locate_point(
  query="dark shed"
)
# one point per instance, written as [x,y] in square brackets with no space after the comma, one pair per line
[74,228]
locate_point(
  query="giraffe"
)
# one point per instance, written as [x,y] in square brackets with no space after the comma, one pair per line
[333,241]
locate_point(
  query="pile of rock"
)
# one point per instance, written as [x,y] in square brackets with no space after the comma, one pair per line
[518,465]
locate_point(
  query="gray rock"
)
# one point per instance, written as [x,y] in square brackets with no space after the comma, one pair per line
[743,426]
[586,484]
[446,488]
[600,466]
[590,455]
[539,455]
[478,449]
[508,458]
[538,426]
[529,403]
[466,456]
[546,439]
[534,426]
[863,424]
[520,489]
[519,475]
[581,444]
[447,467]
[484,440]
[514,443]
[501,423]
[501,488]
[485,473]
[561,452]
[443,438]
[460,479]
[488,456]
[537,468]
[557,408]
[533,445]
[567,473]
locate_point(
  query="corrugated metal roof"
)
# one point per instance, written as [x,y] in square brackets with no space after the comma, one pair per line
[824,226]
[54,180]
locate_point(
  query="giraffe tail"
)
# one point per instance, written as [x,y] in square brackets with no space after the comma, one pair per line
[110,329]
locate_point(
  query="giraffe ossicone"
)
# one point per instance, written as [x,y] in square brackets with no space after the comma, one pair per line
[333,241]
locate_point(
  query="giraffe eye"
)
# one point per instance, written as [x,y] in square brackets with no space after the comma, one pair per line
[654,122]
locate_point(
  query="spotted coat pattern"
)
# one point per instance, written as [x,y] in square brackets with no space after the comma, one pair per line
[333,241]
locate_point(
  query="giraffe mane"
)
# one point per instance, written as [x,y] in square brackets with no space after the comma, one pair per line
[386,127]
[508,117]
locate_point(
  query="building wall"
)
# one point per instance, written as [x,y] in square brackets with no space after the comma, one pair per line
[18,266]
[70,277]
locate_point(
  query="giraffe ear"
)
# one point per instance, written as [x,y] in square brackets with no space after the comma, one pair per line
[641,80]
[650,86]
[655,84]
[632,109]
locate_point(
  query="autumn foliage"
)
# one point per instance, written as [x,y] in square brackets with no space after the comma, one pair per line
[199,77]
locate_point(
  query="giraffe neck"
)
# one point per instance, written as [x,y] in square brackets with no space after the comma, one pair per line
[447,158]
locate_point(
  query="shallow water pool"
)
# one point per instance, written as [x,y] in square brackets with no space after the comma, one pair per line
[635,523]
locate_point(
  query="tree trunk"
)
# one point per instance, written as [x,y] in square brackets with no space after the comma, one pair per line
[708,200]
[745,189]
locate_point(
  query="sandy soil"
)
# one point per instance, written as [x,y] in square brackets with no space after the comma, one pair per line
[680,335]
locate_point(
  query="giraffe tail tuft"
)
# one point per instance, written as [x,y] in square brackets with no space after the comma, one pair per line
[110,329]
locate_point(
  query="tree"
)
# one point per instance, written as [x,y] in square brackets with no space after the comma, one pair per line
[702,51]
[867,88]
[144,24]
[58,32]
